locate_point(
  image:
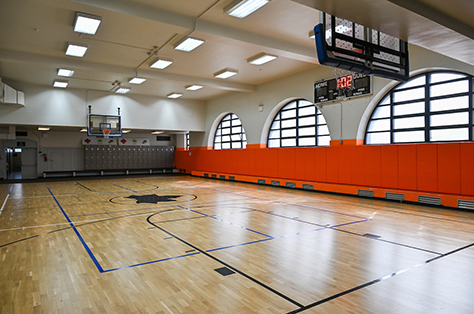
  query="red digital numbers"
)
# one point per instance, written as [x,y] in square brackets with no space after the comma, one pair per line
[344,81]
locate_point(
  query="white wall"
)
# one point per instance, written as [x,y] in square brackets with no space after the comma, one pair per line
[69,107]
[342,117]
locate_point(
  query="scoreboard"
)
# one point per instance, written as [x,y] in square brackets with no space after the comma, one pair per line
[351,85]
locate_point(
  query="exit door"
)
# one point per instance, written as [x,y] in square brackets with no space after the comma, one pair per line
[28,163]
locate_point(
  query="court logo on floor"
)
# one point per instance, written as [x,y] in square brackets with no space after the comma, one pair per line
[152,199]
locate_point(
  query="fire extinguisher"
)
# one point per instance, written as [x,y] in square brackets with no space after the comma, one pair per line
[45,157]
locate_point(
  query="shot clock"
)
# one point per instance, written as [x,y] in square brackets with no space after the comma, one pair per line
[347,86]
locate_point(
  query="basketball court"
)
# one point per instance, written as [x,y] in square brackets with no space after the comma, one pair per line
[181,244]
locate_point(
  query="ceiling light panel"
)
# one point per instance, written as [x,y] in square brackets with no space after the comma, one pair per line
[243,8]
[193,87]
[60,84]
[226,73]
[161,63]
[65,72]
[157,132]
[43,128]
[86,23]
[188,44]
[136,80]
[122,90]
[174,95]
[261,58]
[126,131]
[76,50]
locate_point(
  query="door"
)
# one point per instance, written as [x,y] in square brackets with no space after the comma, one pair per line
[28,163]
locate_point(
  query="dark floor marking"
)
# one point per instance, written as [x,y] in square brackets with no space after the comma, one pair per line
[227,265]
[85,187]
[224,271]
[154,199]
[370,235]
[17,241]
[335,296]
[387,241]
[168,238]
[189,251]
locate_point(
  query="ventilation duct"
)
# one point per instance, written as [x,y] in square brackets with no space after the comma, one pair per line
[10,96]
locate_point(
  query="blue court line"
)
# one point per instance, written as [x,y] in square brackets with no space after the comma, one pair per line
[124,188]
[236,245]
[96,262]
[151,262]
[350,223]
[227,222]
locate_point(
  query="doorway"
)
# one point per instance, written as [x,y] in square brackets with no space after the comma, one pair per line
[20,159]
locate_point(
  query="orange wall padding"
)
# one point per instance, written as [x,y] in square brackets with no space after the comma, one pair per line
[433,168]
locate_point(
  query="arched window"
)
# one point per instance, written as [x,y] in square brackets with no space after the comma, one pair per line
[230,133]
[430,107]
[298,123]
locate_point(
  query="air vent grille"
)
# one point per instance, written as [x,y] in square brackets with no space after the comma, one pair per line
[431,200]
[466,204]
[291,185]
[365,193]
[261,181]
[308,187]
[395,196]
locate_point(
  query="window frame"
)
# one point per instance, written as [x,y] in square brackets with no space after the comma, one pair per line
[388,100]
[243,137]
[298,104]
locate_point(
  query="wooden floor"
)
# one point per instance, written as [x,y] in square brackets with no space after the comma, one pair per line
[154,244]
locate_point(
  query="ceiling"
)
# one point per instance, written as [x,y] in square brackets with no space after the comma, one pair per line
[34,35]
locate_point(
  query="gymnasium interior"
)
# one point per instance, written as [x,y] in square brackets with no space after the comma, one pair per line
[308,156]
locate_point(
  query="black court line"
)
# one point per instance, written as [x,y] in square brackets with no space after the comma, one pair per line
[226,265]
[85,187]
[370,283]
[349,232]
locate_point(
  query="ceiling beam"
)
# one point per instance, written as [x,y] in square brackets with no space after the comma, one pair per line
[27,57]
[286,49]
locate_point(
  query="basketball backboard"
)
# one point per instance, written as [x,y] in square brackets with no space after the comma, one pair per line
[343,44]
[98,123]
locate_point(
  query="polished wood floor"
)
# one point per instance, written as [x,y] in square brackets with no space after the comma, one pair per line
[155,244]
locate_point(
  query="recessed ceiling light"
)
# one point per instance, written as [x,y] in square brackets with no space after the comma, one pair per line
[188,44]
[76,50]
[126,131]
[65,72]
[86,23]
[83,130]
[243,8]
[157,132]
[193,87]
[161,63]
[174,95]
[60,84]
[226,73]
[136,80]
[123,90]
[43,128]
[261,58]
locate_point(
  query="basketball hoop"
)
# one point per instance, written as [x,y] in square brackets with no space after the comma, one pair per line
[106,132]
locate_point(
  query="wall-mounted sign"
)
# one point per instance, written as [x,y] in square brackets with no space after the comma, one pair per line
[134,141]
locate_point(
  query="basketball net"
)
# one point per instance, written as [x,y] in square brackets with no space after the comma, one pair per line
[106,133]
